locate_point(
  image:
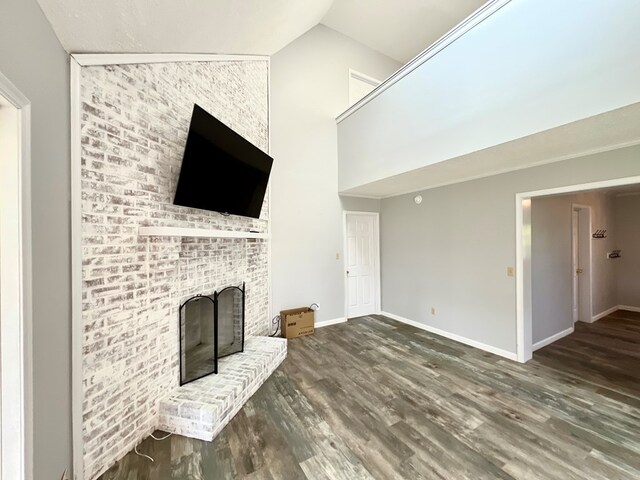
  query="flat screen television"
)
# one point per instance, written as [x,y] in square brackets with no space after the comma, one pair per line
[221,171]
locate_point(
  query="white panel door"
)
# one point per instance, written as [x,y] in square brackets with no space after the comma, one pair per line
[360,263]
[575,264]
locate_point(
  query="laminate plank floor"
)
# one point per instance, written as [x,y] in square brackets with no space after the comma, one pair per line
[377,399]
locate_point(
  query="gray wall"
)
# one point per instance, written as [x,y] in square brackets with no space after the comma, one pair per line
[309,88]
[551,260]
[451,252]
[357,204]
[627,236]
[32,58]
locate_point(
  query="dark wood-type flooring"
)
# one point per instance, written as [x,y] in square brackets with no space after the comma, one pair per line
[374,398]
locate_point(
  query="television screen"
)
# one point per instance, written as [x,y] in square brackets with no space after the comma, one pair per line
[221,171]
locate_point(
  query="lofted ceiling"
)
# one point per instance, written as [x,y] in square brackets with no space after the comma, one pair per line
[398,28]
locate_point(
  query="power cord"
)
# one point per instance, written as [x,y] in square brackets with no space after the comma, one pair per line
[135,449]
[275,321]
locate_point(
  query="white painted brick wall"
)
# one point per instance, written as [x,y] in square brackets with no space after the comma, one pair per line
[134,124]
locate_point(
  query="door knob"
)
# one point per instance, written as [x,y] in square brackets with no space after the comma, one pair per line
[579,270]
[347,272]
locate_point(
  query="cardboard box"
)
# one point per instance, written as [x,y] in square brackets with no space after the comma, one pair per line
[297,322]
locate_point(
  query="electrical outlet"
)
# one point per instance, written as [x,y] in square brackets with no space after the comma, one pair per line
[433,310]
[510,272]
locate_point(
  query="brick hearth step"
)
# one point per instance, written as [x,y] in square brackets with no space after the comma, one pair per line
[202,408]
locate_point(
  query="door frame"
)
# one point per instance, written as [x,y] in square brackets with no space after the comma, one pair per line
[376,259]
[16,383]
[585,288]
[524,324]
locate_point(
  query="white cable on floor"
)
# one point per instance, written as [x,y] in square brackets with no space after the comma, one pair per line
[135,449]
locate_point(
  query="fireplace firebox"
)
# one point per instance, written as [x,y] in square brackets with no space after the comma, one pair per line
[211,327]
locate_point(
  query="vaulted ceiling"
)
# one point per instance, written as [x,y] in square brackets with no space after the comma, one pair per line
[398,28]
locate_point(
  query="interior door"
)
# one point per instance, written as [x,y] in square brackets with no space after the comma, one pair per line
[575,249]
[581,263]
[360,262]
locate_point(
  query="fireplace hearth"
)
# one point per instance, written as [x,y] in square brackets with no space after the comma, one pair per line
[211,327]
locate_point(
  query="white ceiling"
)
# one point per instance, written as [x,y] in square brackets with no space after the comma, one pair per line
[398,28]
[181,26]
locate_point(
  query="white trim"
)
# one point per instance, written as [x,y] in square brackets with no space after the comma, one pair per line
[77,395]
[615,182]
[326,323]
[363,77]
[452,336]
[628,308]
[16,383]
[523,253]
[163,231]
[355,195]
[92,59]
[552,338]
[608,311]
[376,258]
[443,42]
[270,314]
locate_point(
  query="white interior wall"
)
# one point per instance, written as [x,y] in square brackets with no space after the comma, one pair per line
[452,251]
[627,236]
[501,81]
[309,88]
[551,260]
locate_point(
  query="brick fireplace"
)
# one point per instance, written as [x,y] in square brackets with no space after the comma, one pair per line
[134,121]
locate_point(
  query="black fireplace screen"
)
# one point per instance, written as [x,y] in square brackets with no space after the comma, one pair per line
[211,327]
[229,310]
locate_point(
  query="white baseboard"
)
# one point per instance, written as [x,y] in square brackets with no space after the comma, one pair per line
[452,336]
[326,323]
[628,308]
[552,338]
[608,311]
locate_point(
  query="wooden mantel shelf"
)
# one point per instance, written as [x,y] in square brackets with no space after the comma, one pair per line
[161,231]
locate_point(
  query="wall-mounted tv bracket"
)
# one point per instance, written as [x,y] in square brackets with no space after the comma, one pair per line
[601,233]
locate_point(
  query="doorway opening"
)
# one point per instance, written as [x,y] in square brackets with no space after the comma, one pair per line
[362,263]
[15,285]
[569,266]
